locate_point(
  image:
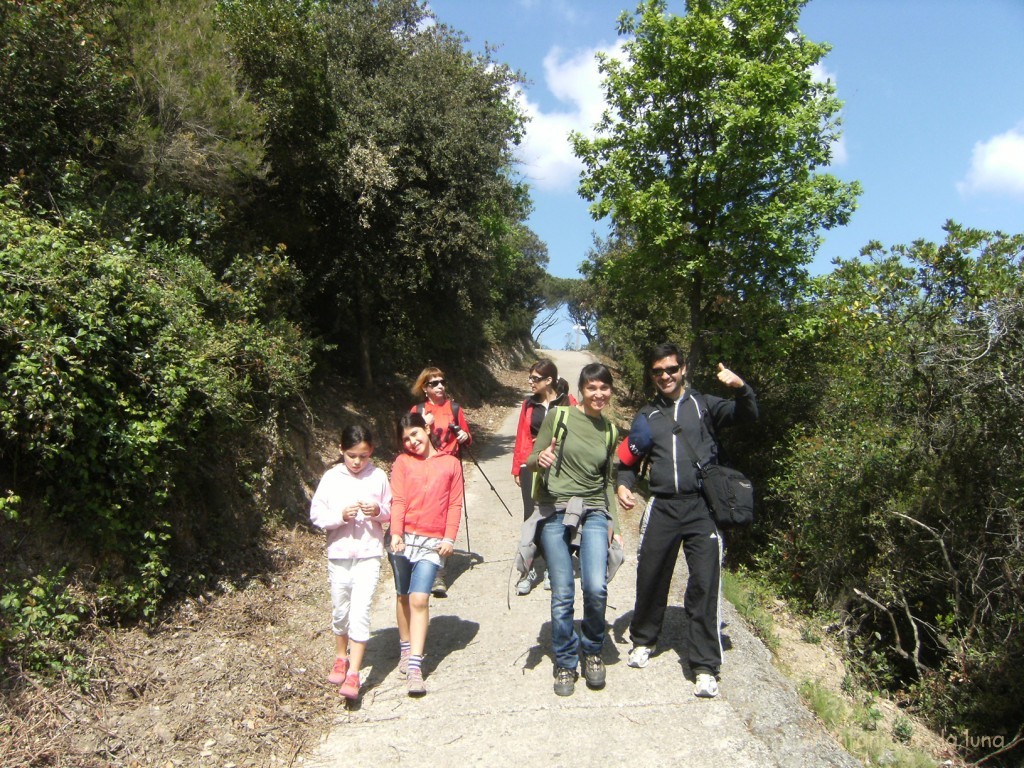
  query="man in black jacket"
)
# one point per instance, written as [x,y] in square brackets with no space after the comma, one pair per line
[677,423]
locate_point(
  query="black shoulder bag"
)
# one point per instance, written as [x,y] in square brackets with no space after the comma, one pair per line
[727,491]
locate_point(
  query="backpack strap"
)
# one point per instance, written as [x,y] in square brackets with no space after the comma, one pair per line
[421,408]
[559,432]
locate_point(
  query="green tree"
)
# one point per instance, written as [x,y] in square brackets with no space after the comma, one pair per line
[193,128]
[899,498]
[64,94]
[389,147]
[709,157]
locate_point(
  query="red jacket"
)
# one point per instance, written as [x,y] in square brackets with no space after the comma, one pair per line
[524,432]
[446,441]
[426,495]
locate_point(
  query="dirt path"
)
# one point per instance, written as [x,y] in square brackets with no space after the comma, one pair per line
[488,671]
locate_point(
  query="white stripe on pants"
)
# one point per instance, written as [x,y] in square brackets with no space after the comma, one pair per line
[353,582]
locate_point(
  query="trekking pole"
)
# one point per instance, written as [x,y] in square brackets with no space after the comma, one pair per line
[463,447]
[465,511]
[485,477]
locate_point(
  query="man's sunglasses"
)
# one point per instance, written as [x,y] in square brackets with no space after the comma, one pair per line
[671,370]
[436,383]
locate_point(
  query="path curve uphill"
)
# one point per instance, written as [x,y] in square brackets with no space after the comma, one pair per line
[488,669]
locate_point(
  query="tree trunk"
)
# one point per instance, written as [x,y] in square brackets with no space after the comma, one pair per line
[696,324]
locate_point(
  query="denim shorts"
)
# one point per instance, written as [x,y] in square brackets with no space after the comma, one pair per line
[412,577]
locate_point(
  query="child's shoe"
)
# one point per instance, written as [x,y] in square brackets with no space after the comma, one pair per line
[339,672]
[350,689]
[414,680]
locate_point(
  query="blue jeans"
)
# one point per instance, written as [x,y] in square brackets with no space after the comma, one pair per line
[412,577]
[554,540]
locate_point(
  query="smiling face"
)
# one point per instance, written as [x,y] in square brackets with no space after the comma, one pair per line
[357,457]
[416,441]
[594,396]
[667,375]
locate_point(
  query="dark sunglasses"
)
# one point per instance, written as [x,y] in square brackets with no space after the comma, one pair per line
[535,379]
[436,383]
[671,370]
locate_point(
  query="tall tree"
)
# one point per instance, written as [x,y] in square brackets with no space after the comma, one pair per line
[708,155]
[389,147]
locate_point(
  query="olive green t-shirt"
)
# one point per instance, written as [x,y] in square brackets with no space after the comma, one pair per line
[584,470]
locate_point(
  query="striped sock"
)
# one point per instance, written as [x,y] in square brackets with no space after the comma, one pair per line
[415,662]
[404,647]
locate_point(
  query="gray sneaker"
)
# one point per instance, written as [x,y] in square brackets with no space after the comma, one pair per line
[525,584]
[565,681]
[593,671]
[414,682]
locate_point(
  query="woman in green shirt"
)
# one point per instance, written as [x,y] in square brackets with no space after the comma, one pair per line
[573,452]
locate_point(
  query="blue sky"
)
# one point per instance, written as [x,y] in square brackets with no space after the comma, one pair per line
[933,121]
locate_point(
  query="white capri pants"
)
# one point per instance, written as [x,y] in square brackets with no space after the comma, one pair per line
[353,582]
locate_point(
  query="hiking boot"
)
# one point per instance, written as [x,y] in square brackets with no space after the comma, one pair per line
[440,589]
[339,671]
[350,689]
[593,671]
[565,681]
[706,687]
[414,681]
[403,662]
[525,584]
[639,656]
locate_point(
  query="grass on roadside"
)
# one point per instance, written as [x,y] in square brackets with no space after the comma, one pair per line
[751,599]
[853,721]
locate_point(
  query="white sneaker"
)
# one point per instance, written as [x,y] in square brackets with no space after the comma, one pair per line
[706,687]
[525,584]
[639,656]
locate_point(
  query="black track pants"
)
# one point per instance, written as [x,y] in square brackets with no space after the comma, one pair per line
[669,524]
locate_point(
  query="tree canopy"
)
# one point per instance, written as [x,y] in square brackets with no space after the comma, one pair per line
[709,159]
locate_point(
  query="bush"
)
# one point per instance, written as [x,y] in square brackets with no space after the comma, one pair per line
[123,368]
[901,500]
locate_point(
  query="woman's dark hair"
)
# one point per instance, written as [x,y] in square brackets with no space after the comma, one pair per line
[561,388]
[546,369]
[355,434]
[595,372]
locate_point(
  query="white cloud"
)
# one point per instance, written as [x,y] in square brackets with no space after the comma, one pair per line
[545,156]
[997,166]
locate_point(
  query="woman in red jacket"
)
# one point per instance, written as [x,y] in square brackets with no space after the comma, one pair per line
[443,416]
[426,508]
[548,391]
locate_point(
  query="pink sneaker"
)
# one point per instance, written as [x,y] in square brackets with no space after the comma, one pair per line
[350,690]
[339,672]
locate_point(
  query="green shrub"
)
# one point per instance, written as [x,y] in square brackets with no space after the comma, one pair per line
[39,623]
[125,372]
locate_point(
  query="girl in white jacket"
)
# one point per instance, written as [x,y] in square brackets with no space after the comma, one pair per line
[352,503]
